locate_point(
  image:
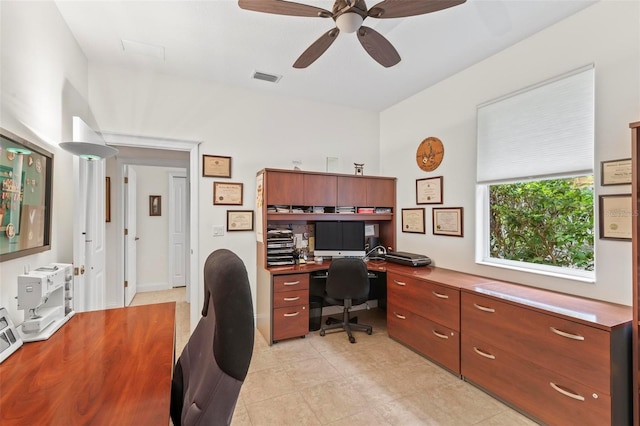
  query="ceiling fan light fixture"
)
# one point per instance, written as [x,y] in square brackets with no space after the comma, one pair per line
[349,22]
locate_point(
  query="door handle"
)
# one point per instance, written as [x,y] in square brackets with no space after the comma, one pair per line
[136,239]
[82,270]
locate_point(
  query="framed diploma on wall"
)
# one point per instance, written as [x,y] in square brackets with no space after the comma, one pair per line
[615,217]
[448,221]
[429,190]
[227,193]
[413,220]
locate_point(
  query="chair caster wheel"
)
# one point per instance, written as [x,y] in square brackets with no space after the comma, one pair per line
[352,339]
[322,332]
[328,321]
[369,332]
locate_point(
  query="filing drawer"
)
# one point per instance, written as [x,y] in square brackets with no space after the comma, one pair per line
[290,298]
[431,339]
[547,395]
[432,301]
[573,349]
[290,322]
[290,282]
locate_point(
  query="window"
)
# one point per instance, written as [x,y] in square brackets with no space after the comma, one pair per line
[535,204]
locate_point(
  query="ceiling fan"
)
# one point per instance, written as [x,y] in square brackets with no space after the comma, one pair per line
[348,16]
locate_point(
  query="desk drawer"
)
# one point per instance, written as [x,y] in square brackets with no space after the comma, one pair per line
[290,298]
[550,396]
[573,349]
[290,282]
[290,322]
[431,301]
[431,339]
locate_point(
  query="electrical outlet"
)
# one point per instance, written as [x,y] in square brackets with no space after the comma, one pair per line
[218,230]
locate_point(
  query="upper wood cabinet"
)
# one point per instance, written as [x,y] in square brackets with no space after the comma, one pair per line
[285,188]
[320,190]
[352,191]
[366,191]
[381,192]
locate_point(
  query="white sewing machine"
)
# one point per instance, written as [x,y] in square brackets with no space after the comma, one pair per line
[45,294]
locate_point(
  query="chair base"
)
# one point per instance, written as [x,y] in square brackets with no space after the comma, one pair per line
[347,324]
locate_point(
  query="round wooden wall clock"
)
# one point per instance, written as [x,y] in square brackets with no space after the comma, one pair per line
[430,153]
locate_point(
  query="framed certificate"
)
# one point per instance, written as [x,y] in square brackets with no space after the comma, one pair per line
[227,193]
[239,220]
[429,190]
[615,217]
[615,172]
[448,221]
[216,166]
[413,220]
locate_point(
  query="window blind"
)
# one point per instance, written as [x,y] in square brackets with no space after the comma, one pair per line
[544,130]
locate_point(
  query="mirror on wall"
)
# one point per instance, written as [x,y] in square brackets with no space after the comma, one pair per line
[26,173]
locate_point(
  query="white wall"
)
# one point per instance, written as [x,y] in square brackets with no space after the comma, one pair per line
[256,130]
[605,34]
[44,83]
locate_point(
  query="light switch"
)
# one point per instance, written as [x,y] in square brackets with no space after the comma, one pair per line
[218,230]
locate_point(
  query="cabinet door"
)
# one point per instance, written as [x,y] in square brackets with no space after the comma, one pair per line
[285,188]
[320,190]
[381,192]
[352,191]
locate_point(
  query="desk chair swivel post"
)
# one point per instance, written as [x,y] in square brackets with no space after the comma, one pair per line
[347,285]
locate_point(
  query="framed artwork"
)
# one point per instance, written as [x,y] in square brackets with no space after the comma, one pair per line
[26,185]
[429,190]
[448,221]
[615,217]
[227,193]
[615,172]
[155,205]
[107,201]
[239,220]
[216,166]
[413,220]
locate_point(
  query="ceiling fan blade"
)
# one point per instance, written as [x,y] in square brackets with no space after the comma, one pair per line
[318,47]
[378,47]
[281,7]
[400,9]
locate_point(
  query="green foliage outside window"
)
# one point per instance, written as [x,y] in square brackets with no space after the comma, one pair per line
[547,222]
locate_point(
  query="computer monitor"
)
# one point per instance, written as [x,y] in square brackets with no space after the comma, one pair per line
[339,239]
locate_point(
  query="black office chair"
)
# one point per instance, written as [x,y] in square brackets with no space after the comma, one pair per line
[347,285]
[214,363]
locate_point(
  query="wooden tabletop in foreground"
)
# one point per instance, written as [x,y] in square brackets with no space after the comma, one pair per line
[102,367]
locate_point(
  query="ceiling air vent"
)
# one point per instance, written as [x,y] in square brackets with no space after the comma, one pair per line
[271,78]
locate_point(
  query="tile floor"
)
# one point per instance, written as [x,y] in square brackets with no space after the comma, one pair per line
[329,381]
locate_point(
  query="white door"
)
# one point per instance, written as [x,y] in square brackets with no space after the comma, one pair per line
[131,235]
[178,207]
[89,226]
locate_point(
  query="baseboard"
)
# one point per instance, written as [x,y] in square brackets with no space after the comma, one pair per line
[143,288]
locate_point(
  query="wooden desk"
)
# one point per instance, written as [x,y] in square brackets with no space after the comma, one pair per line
[102,367]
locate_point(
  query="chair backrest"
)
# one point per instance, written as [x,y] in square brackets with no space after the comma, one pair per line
[348,279]
[214,363]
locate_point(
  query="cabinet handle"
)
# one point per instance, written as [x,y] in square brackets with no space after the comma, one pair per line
[440,295]
[291,299]
[292,282]
[293,314]
[565,334]
[483,308]
[566,392]
[399,283]
[484,354]
[402,317]
[442,336]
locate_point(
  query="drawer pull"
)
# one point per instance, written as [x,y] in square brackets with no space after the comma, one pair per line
[565,334]
[483,308]
[440,295]
[402,317]
[399,283]
[293,314]
[484,354]
[291,299]
[292,282]
[566,392]
[442,336]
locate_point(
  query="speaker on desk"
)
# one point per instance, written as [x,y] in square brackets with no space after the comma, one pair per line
[372,242]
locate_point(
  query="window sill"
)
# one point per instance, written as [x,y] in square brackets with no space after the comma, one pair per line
[585,277]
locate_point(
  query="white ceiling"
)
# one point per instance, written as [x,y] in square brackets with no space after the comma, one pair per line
[217,41]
